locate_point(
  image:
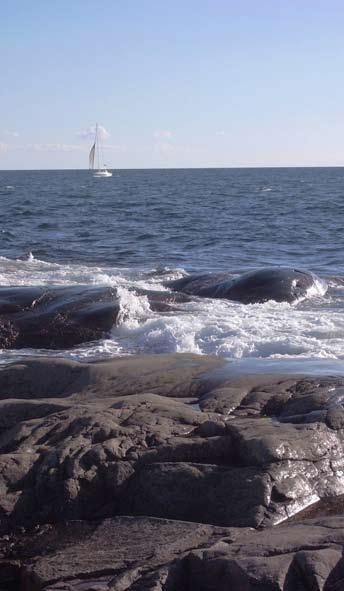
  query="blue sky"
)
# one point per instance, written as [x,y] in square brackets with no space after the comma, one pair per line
[175,83]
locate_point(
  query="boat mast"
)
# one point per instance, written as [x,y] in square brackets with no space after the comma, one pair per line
[97,145]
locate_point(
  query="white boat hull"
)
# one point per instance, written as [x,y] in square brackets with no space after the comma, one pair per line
[102,173]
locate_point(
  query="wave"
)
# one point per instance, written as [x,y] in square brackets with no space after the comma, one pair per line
[239,332]
[236,331]
[313,329]
[7,190]
[30,270]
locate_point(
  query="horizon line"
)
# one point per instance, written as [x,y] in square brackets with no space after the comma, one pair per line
[241,167]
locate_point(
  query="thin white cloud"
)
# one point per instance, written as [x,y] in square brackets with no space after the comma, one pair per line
[54,147]
[163,134]
[220,132]
[115,148]
[58,147]
[89,133]
[11,133]
[179,149]
[166,147]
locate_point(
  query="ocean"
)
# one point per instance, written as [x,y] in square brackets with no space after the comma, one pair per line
[140,228]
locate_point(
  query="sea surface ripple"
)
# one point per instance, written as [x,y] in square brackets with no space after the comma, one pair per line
[140,227]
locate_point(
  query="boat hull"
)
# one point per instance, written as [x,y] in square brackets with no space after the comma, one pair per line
[102,173]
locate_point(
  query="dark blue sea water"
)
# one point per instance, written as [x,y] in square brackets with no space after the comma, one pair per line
[198,219]
[132,228]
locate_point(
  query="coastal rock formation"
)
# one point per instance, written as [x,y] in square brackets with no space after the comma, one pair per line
[55,317]
[61,317]
[129,444]
[300,556]
[149,554]
[163,436]
[278,284]
[117,554]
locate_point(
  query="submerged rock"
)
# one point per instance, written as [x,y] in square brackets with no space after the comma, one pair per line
[278,284]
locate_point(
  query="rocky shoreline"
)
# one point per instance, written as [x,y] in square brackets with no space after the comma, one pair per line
[165,472]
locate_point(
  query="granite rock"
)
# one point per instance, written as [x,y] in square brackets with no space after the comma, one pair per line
[166,436]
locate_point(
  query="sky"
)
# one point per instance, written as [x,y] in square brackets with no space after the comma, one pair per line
[192,83]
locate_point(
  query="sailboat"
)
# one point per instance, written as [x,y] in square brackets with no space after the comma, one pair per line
[96,154]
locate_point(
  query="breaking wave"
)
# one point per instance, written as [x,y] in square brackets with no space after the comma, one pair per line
[314,329]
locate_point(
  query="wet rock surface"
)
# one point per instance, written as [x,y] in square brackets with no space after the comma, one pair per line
[55,317]
[150,472]
[60,317]
[275,283]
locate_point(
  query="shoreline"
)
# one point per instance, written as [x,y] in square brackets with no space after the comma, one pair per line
[168,446]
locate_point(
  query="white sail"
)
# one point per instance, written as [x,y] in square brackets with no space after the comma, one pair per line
[96,153]
[91,156]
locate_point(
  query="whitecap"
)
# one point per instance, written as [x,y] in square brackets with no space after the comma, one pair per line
[311,329]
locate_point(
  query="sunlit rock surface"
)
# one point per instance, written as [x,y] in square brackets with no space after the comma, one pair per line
[141,441]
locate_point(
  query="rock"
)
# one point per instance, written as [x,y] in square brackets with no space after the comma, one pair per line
[170,375]
[275,283]
[117,554]
[142,553]
[335,417]
[305,557]
[161,438]
[136,435]
[210,428]
[60,317]
[55,317]
[77,450]
[203,493]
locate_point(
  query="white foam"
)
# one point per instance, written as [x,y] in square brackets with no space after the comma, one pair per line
[312,329]
[40,272]
[318,288]
[133,308]
[236,331]
[156,335]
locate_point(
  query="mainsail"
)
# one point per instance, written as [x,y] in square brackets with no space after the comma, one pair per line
[96,154]
[91,156]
